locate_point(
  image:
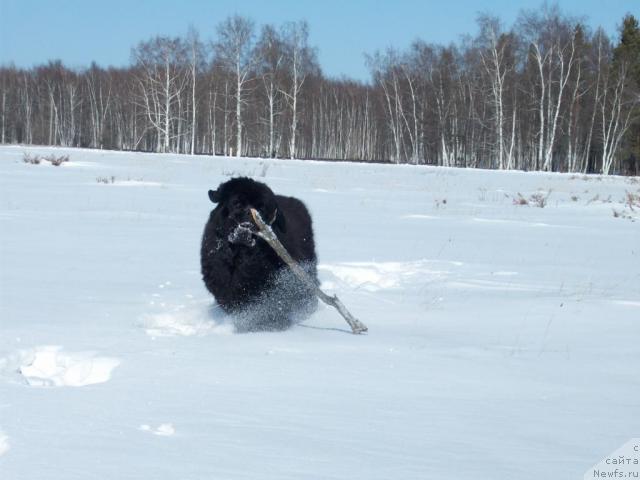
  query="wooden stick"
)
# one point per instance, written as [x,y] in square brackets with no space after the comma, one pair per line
[270,237]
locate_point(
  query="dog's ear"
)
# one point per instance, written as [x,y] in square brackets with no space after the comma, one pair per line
[214,196]
[279,223]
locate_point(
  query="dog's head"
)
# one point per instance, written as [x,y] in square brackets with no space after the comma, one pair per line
[235,198]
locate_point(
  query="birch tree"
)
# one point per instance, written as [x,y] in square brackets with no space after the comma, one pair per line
[271,53]
[300,61]
[384,71]
[492,53]
[546,93]
[234,49]
[551,40]
[196,64]
[616,104]
[99,93]
[161,82]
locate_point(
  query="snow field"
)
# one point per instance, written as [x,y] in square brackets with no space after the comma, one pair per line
[502,337]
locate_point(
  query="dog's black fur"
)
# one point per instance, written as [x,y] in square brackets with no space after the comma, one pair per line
[241,270]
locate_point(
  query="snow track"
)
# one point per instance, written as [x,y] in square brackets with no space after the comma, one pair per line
[51,366]
[4,443]
[162,430]
[182,321]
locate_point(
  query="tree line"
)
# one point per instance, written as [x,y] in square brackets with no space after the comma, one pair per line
[547,94]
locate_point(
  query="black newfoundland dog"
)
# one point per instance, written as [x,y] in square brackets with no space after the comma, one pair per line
[241,270]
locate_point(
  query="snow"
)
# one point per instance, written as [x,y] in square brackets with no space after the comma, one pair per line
[624,462]
[48,365]
[163,430]
[4,443]
[502,337]
[185,321]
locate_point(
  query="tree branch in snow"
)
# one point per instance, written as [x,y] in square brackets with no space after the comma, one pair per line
[270,237]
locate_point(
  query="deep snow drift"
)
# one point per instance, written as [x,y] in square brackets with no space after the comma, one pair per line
[503,337]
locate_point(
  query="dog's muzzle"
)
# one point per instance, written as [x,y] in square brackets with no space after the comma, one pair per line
[243,234]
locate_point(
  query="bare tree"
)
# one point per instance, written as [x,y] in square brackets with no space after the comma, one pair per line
[545,94]
[196,64]
[615,104]
[384,70]
[161,82]
[99,93]
[271,54]
[580,88]
[551,40]
[301,61]
[234,49]
[492,52]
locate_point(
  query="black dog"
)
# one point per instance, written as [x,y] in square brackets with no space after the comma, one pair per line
[242,271]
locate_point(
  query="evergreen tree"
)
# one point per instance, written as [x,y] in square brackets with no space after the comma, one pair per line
[628,52]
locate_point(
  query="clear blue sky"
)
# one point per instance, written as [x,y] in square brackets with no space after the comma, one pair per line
[79,31]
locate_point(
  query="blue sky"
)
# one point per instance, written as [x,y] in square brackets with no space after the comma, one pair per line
[79,31]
